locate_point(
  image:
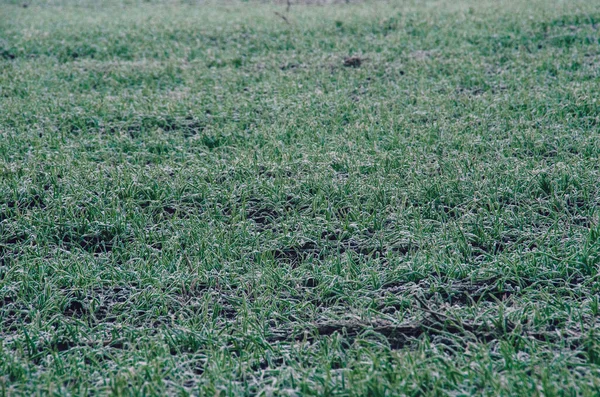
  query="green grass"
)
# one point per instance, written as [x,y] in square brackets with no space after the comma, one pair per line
[202,199]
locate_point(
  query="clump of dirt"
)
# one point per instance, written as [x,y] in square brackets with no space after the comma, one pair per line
[75,308]
[354,61]
[263,215]
[296,254]
[289,66]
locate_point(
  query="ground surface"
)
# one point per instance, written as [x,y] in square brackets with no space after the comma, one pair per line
[215,199]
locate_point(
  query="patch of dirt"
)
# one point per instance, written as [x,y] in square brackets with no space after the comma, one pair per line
[96,243]
[62,344]
[438,327]
[6,54]
[466,292]
[354,61]
[226,311]
[94,238]
[12,239]
[310,283]
[473,91]
[582,221]
[274,172]
[576,204]
[296,254]
[6,300]
[456,292]
[169,210]
[11,248]
[263,215]
[189,126]
[289,66]
[33,201]
[397,335]
[75,308]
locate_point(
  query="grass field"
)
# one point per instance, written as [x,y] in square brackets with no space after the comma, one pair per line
[212,199]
